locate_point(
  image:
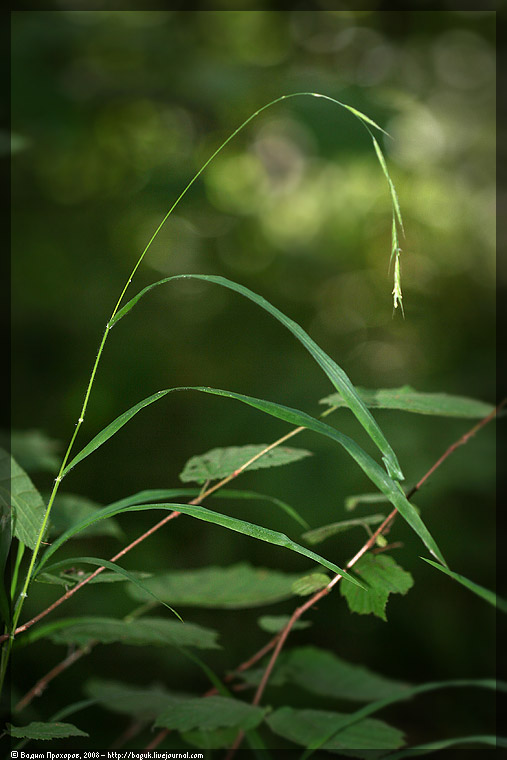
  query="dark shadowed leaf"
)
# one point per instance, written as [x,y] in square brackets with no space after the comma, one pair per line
[304,727]
[28,507]
[70,509]
[34,451]
[210,713]
[276,623]
[235,587]
[144,632]
[324,673]
[143,702]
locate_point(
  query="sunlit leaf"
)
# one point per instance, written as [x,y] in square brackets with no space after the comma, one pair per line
[317,535]
[407,399]
[234,587]
[211,713]
[43,731]
[484,593]
[221,462]
[28,507]
[383,576]
[303,727]
[143,632]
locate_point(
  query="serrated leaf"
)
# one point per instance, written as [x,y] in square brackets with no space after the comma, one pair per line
[333,371]
[34,451]
[44,731]
[221,462]
[384,576]
[17,490]
[408,693]
[145,632]
[407,399]
[317,535]
[323,673]
[309,583]
[484,593]
[276,623]
[210,713]
[304,727]
[70,509]
[235,587]
[144,703]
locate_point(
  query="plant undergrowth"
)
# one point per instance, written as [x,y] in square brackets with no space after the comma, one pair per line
[222,719]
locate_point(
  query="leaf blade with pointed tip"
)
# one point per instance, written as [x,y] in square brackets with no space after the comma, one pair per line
[484,593]
[334,372]
[317,535]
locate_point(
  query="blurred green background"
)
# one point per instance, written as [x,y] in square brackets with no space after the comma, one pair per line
[113,112]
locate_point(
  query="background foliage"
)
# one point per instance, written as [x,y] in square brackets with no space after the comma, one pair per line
[113,112]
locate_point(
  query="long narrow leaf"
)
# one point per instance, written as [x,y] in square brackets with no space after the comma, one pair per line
[484,593]
[232,523]
[373,707]
[377,475]
[112,566]
[424,749]
[111,429]
[334,372]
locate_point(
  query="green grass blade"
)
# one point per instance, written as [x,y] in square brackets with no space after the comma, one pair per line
[232,523]
[317,535]
[484,593]
[424,749]
[377,475]
[334,372]
[112,566]
[412,691]
[290,511]
[111,429]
